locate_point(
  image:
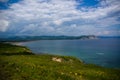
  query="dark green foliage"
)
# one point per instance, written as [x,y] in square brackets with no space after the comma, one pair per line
[8,49]
[42,67]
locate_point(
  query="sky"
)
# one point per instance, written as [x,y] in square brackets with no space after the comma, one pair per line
[59,17]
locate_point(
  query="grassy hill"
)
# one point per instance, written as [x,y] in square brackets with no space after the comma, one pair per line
[18,63]
[8,49]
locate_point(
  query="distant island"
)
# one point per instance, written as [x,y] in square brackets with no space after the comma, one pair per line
[31,38]
[34,38]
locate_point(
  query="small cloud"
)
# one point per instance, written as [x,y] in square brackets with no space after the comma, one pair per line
[58,22]
[3,25]
[106,32]
[3,0]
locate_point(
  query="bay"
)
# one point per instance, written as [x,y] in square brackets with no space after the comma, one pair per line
[103,52]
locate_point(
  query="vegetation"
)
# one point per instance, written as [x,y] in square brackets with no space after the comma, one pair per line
[43,67]
[31,38]
[8,49]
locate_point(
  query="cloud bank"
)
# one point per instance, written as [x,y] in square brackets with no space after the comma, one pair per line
[60,17]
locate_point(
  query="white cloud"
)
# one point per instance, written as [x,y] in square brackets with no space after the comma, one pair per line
[3,25]
[58,22]
[3,0]
[106,32]
[112,33]
[43,16]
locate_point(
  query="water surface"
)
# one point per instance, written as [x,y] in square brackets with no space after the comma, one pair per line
[103,52]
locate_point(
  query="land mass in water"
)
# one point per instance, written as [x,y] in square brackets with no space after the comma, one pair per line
[19,63]
[31,38]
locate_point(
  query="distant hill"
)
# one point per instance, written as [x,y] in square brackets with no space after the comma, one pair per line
[108,36]
[30,38]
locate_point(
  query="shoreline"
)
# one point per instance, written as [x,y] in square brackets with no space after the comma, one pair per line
[37,53]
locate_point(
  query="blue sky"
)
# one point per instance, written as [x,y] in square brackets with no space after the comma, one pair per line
[59,17]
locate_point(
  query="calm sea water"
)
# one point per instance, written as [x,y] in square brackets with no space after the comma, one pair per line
[103,52]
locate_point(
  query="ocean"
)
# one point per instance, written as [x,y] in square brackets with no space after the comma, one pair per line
[103,52]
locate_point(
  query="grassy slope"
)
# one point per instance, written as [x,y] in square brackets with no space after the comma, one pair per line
[41,67]
[8,49]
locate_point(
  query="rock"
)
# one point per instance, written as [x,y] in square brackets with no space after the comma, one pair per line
[57,59]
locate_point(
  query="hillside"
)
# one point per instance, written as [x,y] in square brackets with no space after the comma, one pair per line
[8,49]
[21,64]
[31,38]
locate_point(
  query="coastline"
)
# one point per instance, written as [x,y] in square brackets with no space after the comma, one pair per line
[22,66]
[49,47]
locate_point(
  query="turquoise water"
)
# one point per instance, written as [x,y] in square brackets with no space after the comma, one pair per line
[103,52]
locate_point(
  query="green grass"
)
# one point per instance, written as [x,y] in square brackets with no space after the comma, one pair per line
[42,67]
[8,49]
